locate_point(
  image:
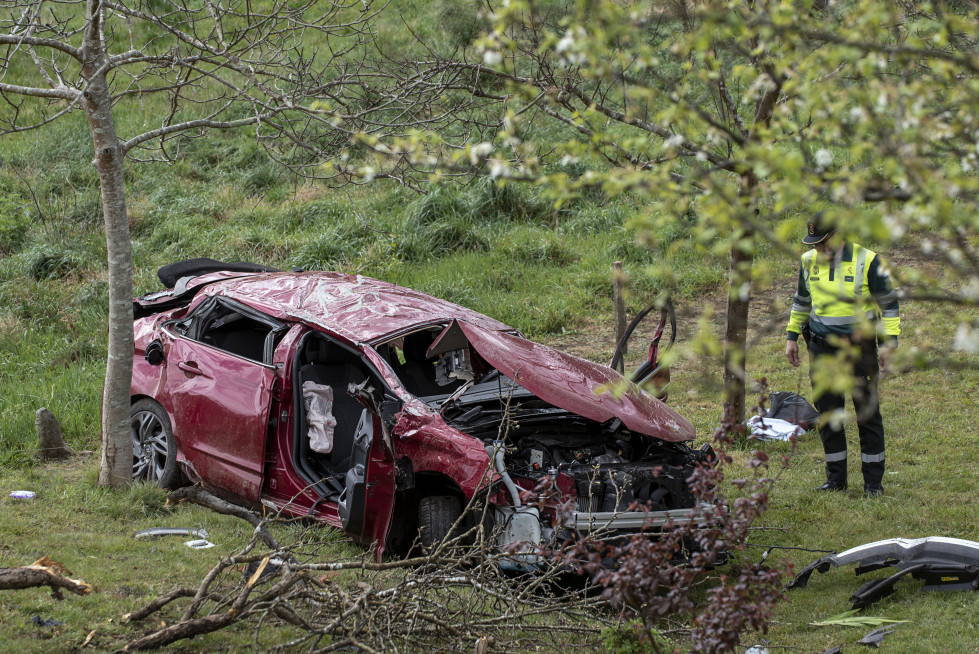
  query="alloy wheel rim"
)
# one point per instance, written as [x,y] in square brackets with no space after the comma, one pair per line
[150,448]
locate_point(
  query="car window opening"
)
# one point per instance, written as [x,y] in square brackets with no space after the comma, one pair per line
[425,376]
[226,329]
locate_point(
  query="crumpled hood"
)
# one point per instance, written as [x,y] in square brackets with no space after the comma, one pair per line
[574,384]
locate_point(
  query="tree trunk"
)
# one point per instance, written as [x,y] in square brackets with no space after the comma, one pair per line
[736,328]
[739,274]
[117,447]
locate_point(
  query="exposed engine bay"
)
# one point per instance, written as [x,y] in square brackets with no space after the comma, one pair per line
[614,476]
[606,467]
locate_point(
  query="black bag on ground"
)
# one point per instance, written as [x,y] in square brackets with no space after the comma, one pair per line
[791,407]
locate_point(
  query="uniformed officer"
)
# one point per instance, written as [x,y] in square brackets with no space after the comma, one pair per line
[843,290]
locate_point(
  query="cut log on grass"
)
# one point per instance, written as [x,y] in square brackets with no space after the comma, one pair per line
[43,572]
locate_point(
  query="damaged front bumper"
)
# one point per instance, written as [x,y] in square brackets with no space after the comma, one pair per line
[945,564]
[702,515]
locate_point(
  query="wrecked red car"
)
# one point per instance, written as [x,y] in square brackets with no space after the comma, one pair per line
[383,411]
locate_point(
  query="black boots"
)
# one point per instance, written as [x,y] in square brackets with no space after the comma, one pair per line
[873,490]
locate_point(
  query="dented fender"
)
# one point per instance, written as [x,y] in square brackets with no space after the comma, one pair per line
[433,446]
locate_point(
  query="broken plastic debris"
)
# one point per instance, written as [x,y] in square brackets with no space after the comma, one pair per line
[945,564]
[199,544]
[170,531]
[23,495]
[874,638]
[38,621]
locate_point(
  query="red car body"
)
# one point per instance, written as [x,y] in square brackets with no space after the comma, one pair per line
[421,393]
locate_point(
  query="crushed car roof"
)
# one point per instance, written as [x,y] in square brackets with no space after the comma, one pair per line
[358,308]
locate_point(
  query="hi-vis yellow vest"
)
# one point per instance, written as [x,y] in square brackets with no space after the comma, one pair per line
[841,296]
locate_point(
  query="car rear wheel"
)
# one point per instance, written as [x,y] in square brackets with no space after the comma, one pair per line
[154,448]
[436,515]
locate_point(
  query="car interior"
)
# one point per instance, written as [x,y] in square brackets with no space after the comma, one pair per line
[226,328]
[421,375]
[328,363]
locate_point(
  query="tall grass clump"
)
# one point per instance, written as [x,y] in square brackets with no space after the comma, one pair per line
[493,201]
[46,261]
[14,226]
[439,224]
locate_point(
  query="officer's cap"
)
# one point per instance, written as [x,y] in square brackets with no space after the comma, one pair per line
[818,229]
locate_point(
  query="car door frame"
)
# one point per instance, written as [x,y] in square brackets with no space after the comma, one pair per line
[366,502]
[207,415]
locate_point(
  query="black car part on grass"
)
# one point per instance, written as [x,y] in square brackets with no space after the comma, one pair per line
[945,564]
[791,407]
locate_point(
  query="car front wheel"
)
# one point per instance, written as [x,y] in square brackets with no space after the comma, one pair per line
[154,448]
[436,515]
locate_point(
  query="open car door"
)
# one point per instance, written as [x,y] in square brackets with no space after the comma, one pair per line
[218,385]
[652,372]
[367,502]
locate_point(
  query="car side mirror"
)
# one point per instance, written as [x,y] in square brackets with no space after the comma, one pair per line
[154,353]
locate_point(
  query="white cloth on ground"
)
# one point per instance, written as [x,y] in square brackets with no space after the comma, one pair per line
[773,429]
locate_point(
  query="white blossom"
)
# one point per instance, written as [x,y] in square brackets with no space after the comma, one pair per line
[566,42]
[824,158]
[568,160]
[966,339]
[479,152]
[971,290]
[927,247]
[674,141]
[857,114]
[368,173]
[492,57]
[498,168]
[894,226]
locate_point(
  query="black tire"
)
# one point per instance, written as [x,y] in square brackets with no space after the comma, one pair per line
[436,515]
[154,448]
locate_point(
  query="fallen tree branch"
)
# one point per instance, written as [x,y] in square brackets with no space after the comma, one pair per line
[443,602]
[158,604]
[198,495]
[43,572]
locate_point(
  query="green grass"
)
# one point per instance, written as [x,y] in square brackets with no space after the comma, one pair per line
[90,530]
